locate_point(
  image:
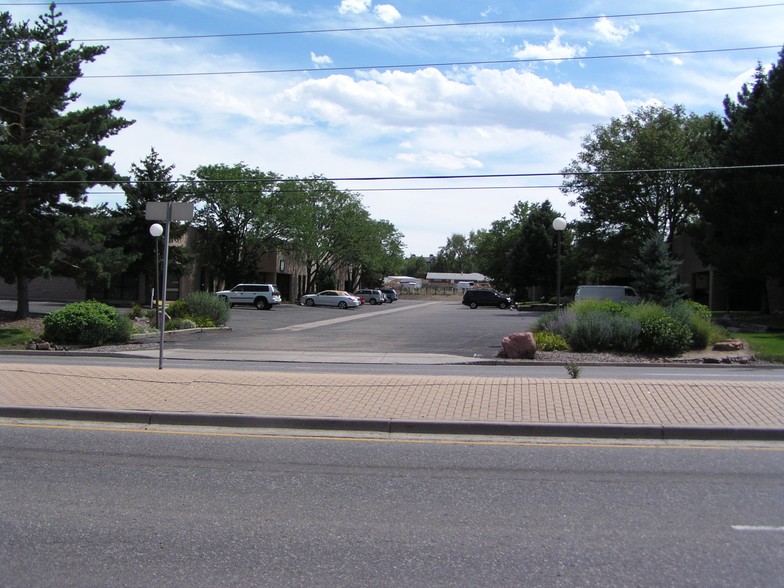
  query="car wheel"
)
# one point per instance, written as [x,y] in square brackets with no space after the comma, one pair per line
[309,302]
[502,306]
[260,303]
[373,301]
[473,305]
[342,304]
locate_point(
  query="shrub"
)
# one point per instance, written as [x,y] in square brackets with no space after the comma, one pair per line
[136,311]
[592,305]
[87,323]
[180,323]
[176,308]
[697,317]
[664,335]
[203,305]
[592,332]
[559,322]
[547,341]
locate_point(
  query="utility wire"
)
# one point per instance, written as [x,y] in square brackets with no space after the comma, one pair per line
[410,65]
[413,26]
[434,177]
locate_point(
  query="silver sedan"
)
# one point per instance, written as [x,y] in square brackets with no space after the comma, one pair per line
[337,298]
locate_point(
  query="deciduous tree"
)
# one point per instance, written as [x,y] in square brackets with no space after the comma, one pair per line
[634,177]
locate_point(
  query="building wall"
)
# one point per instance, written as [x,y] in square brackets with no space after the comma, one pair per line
[56,289]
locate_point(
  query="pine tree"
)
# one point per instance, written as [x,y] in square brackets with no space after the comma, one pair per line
[50,153]
[655,273]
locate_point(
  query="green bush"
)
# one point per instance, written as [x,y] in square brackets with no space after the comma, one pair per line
[697,317]
[559,322]
[664,335]
[593,305]
[87,323]
[203,305]
[176,308]
[178,323]
[547,341]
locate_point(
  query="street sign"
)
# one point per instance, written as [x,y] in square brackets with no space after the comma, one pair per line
[180,211]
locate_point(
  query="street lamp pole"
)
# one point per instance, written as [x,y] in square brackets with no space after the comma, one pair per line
[156,230]
[559,224]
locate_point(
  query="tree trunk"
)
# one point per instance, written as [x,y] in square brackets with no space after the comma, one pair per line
[22,298]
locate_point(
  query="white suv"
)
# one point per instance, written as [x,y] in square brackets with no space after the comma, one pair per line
[262,296]
[372,296]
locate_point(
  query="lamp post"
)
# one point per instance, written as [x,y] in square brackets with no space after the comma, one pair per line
[559,224]
[156,230]
[166,211]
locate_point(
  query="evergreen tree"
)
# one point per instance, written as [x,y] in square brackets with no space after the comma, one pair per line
[742,210]
[151,181]
[49,151]
[655,273]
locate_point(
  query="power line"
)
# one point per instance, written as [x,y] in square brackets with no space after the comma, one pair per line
[409,178]
[86,2]
[413,65]
[419,26]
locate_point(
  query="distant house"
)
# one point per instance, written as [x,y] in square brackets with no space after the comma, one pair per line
[402,282]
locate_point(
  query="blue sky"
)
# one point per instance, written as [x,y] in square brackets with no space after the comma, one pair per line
[379,103]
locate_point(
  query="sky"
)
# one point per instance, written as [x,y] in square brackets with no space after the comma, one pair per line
[440,114]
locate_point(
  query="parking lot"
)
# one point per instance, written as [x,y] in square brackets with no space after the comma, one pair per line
[404,326]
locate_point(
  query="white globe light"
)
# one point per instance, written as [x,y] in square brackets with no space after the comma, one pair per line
[156,230]
[559,224]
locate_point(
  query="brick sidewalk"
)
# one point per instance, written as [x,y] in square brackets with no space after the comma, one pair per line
[411,399]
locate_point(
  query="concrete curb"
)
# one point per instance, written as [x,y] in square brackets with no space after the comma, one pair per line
[585,430]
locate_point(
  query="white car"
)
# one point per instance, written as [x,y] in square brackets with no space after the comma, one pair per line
[262,296]
[337,298]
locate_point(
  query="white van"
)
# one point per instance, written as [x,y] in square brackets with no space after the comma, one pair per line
[614,293]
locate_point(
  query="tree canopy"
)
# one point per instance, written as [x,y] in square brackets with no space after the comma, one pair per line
[50,152]
[634,178]
[742,210]
[241,216]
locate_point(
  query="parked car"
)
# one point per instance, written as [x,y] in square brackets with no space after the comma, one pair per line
[483,297]
[390,294]
[614,293]
[262,296]
[371,296]
[337,298]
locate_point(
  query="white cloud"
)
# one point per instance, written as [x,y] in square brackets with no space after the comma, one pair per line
[451,160]
[320,59]
[387,13]
[354,6]
[554,49]
[609,31]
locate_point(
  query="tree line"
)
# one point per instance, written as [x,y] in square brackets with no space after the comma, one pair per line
[657,173]
[51,155]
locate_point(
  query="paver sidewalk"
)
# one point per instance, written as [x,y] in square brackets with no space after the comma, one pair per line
[407,403]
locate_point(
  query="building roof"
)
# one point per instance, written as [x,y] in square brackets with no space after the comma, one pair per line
[456,277]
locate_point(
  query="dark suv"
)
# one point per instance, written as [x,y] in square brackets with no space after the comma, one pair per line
[483,297]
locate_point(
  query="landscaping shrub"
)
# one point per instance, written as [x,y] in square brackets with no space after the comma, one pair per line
[696,319]
[559,322]
[203,305]
[87,323]
[592,332]
[664,335]
[547,341]
[594,305]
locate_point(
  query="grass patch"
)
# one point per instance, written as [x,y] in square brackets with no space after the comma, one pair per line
[766,346]
[16,338]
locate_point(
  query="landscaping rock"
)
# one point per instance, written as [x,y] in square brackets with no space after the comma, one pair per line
[519,346]
[731,345]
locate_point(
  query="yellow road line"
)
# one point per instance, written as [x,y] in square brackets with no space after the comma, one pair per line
[363,439]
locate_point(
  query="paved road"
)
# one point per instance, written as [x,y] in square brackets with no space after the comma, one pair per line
[137,507]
